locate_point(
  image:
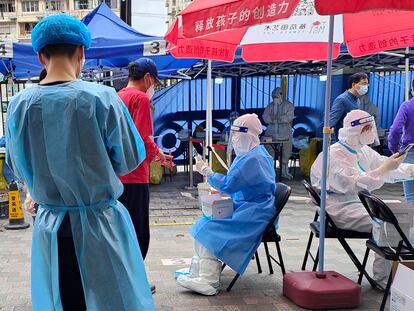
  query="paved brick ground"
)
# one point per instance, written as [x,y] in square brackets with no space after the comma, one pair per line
[171,206]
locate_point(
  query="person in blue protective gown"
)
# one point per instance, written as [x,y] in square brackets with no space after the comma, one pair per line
[68,139]
[250,182]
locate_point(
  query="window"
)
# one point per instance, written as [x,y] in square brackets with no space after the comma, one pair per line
[30,6]
[83,4]
[28,27]
[55,5]
[7,29]
[7,6]
[113,4]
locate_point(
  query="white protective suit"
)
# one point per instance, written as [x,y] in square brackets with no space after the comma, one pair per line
[354,166]
[279,115]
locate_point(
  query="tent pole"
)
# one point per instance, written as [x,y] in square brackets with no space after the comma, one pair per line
[209,121]
[326,143]
[407,74]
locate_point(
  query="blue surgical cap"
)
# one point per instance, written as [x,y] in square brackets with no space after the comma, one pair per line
[60,29]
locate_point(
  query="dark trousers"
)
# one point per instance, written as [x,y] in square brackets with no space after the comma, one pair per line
[70,282]
[136,200]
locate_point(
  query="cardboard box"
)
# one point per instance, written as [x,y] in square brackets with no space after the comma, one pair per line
[402,290]
[216,207]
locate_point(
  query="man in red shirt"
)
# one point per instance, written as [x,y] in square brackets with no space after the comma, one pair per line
[142,77]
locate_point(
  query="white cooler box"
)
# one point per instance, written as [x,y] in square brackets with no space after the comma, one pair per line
[391,237]
[203,190]
[216,207]
[404,212]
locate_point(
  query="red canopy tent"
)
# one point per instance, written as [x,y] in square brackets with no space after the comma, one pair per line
[329,7]
[218,18]
[202,17]
[303,36]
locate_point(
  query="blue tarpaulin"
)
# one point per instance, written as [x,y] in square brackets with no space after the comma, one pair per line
[112,37]
[114,44]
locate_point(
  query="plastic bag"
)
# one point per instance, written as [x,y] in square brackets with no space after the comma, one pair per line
[156,172]
[215,165]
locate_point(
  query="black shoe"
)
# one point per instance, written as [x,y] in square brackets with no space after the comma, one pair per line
[153,288]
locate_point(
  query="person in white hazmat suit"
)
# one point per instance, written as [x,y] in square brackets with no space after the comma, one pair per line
[279,115]
[354,166]
[250,183]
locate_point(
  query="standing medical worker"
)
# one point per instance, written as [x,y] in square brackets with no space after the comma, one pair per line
[67,139]
[354,166]
[251,184]
[279,115]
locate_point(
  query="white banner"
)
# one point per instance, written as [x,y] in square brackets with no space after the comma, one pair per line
[6,49]
[155,48]
[305,26]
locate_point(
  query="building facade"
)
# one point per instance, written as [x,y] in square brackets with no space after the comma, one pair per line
[174,7]
[18,17]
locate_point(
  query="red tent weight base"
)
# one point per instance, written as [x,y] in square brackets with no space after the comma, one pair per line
[309,291]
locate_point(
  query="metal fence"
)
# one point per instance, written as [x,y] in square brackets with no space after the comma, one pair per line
[183,104]
[7,91]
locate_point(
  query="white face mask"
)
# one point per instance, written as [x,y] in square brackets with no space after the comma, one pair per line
[277,100]
[363,90]
[239,151]
[237,143]
[367,138]
[150,91]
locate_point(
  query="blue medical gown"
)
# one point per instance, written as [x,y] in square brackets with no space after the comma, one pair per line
[250,182]
[68,142]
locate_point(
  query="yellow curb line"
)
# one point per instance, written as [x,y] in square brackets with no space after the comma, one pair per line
[171,224]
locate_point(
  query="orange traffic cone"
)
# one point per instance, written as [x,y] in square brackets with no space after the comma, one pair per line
[16,217]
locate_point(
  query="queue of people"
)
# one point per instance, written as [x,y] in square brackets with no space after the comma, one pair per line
[87,169]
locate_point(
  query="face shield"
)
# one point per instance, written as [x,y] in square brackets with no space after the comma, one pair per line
[236,133]
[240,140]
[369,133]
[234,130]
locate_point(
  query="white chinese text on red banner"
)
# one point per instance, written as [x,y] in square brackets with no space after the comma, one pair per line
[206,17]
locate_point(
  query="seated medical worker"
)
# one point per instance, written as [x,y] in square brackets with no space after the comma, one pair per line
[354,166]
[250,182]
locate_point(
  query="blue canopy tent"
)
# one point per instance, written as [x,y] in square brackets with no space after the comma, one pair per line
[114,45]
